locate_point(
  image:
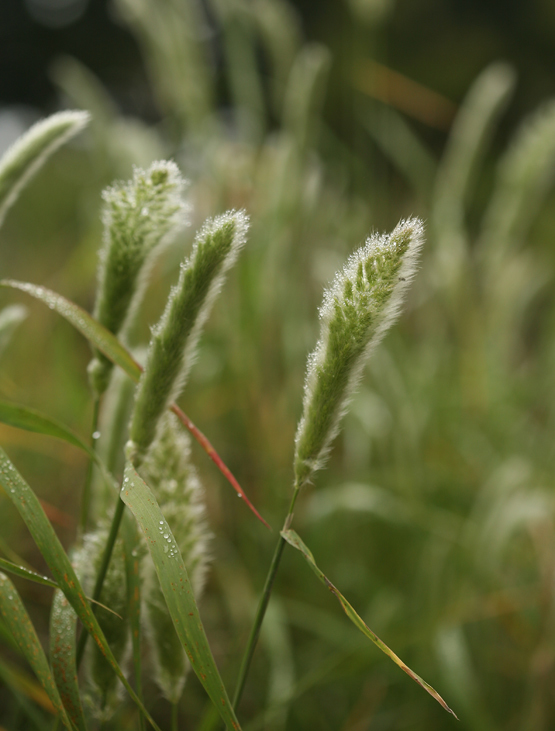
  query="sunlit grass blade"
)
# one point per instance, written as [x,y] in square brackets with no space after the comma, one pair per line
[63,635]
[23,417]
[108,344]
[25,573]
[16,617]
[27,155]
[47,541]
[293,539]
[176,588]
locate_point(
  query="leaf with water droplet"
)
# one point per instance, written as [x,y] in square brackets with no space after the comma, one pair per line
[107,343]
[22,417]
[19,623]
[48,543]
[176,587]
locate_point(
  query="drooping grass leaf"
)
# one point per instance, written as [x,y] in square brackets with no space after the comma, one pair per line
[16,617]
[27,155]
[25,573]
[293,539]
[23,417]
[63,635]
[108,344]
[53,553]
[176,588]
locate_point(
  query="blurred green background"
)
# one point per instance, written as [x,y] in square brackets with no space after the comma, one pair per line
[325,121]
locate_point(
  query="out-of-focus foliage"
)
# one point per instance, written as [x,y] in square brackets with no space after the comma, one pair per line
[436,515]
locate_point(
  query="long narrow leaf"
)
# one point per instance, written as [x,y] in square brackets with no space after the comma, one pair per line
[28,419]
[293,539]
[108,344]
[63,635]
[176,588]
[131,539]
[16,617]
[53,553]
[27,693]
[25,573]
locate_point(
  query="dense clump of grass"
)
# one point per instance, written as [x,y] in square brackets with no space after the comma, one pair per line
[435,513]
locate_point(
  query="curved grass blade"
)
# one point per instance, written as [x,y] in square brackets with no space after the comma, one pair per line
[25,573]
[293,539]
[28,419]
[47,541]
[104,341]
[27,155]
[63,635]
[176,588]
[131,539]
[16,617]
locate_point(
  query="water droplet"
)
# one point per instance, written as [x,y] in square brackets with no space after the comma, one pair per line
[96,435]
[165,549]
[169,540]
[239,494]
[165,535]
[161,522]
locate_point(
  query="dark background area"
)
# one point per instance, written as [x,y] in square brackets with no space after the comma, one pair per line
[443,44]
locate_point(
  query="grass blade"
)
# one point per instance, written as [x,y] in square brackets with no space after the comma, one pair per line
[57,560]
[25,573]
[108,344]
[27,155]
[31,420]
[293,539]
[176,588]
[63,636]
[16,617]
[131,539]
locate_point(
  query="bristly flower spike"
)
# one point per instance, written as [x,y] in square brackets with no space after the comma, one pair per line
[172,347]
[139,218]
[361,304]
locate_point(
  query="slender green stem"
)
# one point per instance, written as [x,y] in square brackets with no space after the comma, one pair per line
[175,717]
[86,499]
[106,556]
[262,606]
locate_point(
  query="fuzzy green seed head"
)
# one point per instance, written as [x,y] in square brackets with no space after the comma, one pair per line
[172,348]
[173,480]
[358,308]
[105,689]
[139,218]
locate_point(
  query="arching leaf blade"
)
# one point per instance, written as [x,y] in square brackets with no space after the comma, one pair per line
[25,573]
[20,625]
[107,343]
[32,513]
[23,417]
[63,641]
[294,540]
[176,588]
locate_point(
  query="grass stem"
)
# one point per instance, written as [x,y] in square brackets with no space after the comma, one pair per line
[86,498]
[262,606]
[106,556]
